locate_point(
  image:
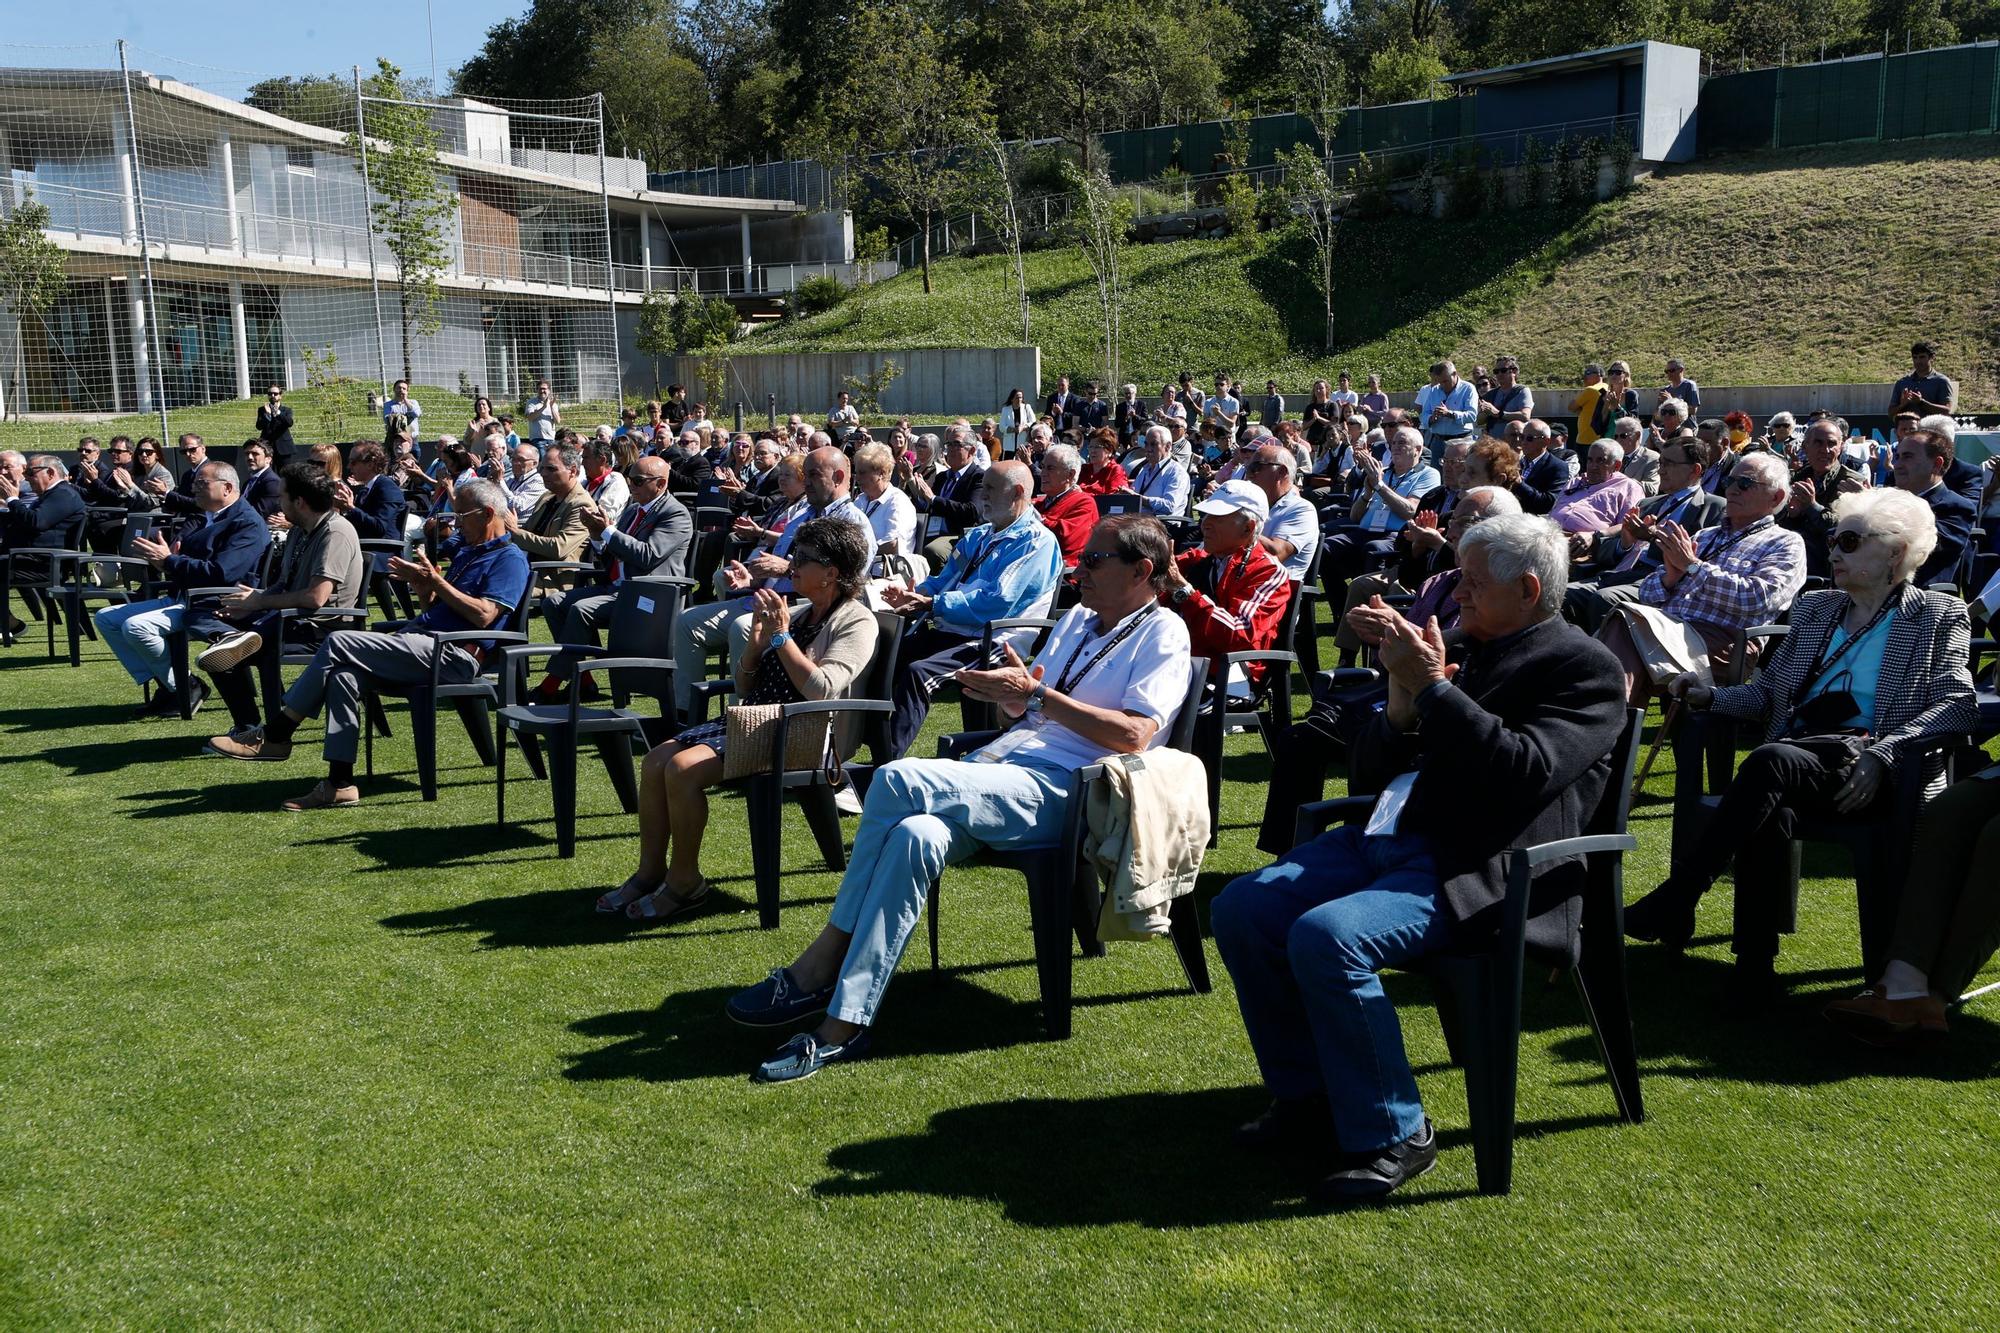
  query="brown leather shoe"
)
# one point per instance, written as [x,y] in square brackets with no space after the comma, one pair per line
[1878,1020]
[248,745]
[325,796]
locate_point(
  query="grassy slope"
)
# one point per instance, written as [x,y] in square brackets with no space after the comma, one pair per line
[1814,267]
[383,1066]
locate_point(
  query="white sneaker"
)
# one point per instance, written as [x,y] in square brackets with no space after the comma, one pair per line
[229,651]
[846,800]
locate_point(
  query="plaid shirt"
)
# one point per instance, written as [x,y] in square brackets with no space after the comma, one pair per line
[1744,577]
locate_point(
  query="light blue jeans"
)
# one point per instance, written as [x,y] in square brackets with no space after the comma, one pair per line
[1303,939]
[920,816]
[136,633]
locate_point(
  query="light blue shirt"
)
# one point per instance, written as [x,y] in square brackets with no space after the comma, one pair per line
[1163,487]
[1463,404]
[843,509]
[995,576]
[1412,484]
[1294,520]
[1858,672]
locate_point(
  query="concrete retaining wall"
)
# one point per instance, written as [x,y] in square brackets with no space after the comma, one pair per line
[935,381]
[1759,400]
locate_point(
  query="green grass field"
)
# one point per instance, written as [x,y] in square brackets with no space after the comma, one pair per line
[383,1067]
[1803,268]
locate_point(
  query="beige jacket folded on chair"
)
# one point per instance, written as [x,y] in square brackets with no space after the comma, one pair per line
[1145,829]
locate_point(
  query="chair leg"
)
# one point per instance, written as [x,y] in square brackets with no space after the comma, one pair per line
[1600,984]
[74,605]
[1492,1012]
[478,722]
[1049,893]
[177,661]
[378,717]
[1184,918]
[1208,745]
[531,750]
[766,801]
[824,821]
[562,787]
[615,748]
[1084,904]
[423,735]
[499,772]
[932,916]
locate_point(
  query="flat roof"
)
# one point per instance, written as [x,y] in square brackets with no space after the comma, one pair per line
[1629,54]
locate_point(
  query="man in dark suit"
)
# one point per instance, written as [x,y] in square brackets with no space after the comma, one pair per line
[274,428]
[1615,564]
[1061,406]
[1824,479]
[263,488]
[650,537]
[691,468]
[1498,738]
[54,516]
[950,502]
[1543,471]
[369,498]
[1921,459]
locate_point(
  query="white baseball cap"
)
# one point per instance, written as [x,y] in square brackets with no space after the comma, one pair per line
[1238,497]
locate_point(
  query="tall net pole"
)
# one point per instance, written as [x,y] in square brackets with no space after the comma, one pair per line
[145,254]
[610,258]
[367,199]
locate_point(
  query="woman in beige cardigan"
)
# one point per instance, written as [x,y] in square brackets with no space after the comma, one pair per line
[815,653]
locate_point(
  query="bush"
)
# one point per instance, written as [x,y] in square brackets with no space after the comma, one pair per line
[1239,205]
[1274,208]
[816,295]
[1044,170]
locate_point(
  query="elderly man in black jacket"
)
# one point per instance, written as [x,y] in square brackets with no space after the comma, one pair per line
[1497,737]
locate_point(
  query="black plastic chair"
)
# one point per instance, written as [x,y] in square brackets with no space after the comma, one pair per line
[393,597]
[1986,690]
[474,699]
[1267,711]
[34,571]
[1118,504]
[976,716]
[1063,895]
[274,657]
[178,652]
[765,793]
[134,579]
[1304,640]
[1478,983]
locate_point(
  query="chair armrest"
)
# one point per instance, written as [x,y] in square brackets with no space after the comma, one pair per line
[1346,678]
[555,566]
[1316,817]
[1767,631]
[1262,655]
[814,706]
[964,742]
[389,626]
[498,636]
[514,657]
[193,593]
[1542,853]
[324,613]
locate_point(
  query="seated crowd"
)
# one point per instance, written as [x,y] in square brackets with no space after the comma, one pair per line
[1505,590]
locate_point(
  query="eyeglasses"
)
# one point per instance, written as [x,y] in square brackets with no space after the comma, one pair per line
[1743,483]
[1847,543]
[1092,559]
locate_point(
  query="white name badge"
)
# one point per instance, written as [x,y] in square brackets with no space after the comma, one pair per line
[1389,805]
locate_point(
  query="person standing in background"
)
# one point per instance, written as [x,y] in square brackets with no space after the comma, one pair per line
[274,424]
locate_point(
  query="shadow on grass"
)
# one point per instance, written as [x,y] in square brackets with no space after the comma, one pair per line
[565,918]
[688,1037]
[85,761]
[1046,1162]
[261,795]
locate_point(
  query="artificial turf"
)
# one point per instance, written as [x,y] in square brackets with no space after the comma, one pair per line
[384,1067]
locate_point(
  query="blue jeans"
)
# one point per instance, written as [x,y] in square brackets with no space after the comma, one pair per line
[1303,939]
[920,815]
[136,633]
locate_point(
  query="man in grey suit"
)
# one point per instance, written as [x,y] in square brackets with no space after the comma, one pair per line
[1619,562]
[651,537]
[1641,464]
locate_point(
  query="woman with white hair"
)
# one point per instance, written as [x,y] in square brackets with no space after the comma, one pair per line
[1870,672]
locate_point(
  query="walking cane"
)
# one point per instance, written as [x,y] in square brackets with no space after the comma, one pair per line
[1659,737]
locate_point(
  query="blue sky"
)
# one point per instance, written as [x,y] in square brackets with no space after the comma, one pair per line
[258,36]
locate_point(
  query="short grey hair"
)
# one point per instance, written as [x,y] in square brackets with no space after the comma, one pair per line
[1896,516]
[223,473]
[1770,470]
[568,455]
[1158,435]
[874,455]
[481,494]
[1492,501]
[1942,425]
[1674,406]
[1626,426]
[958,432]
[1409,435]
[1611,447]
[1064,457]
[1517,544]
[51,462]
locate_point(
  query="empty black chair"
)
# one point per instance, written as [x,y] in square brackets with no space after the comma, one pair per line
[1062,891]
[35,572]
[125,577]
[1479,984]
[389,594]
[1118,504]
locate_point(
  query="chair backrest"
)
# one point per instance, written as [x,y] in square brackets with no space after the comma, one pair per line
[1118,504]
[1615,806]
[1182,735]
[643,614]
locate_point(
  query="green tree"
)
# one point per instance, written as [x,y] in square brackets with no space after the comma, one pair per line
[652,102]
[325,100]
[32,276]
[1097,226]
[993,191]
[1404,73]
[1317,201]
[415,203]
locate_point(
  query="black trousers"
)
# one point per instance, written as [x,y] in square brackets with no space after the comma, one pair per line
[929,657]
[1780,786]
[238,685]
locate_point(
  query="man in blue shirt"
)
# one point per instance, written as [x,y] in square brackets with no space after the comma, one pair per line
[1923,390]
[1447,408]
[1160,482]
[1005,567]
[223,548]
[489,578]
[1681,387]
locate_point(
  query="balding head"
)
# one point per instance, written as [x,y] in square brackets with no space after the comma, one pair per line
[826,477]
[1008,489]
[649,478]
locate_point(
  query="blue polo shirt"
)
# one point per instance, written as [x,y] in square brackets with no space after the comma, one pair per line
[496,570]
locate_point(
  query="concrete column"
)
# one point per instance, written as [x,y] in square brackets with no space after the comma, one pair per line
[111,357]
[646,249]
[142,359]
[743,220]
[240,334]
[128,183]
[228,160]
[548,350]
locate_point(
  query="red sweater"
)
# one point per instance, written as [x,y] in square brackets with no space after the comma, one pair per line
[1070,517]
[1236,608]
[1113,478]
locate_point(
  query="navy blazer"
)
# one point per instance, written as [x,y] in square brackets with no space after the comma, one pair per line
[223,551]
[1541,482]
[1955,516]
[955,500]
[1968,479]
[55,519]
[378,511]
[264,491]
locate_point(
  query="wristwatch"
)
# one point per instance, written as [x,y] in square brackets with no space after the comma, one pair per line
[1181,592]
[780,639]
[1036,696]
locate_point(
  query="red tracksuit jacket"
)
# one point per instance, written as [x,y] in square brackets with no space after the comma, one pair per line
[1236,605]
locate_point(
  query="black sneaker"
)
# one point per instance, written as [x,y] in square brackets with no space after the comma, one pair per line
[1289,1126]
[1665,915]
[162,704]
[1376,1175]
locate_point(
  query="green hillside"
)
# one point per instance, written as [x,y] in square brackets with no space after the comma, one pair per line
[1812,267]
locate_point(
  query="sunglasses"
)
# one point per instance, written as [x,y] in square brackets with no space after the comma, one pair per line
[1092,559]
[1847,543]
[1743,483]
[807,556]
